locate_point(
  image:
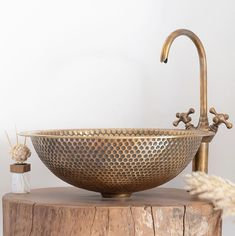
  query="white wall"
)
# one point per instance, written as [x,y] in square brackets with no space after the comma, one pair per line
[75,64]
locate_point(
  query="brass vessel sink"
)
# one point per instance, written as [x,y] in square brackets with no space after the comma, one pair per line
[117,162]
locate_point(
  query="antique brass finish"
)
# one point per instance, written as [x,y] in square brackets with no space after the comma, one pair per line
[203,120]
[200,162]
[219,119]
[185,118]
[116,195]
[116,162]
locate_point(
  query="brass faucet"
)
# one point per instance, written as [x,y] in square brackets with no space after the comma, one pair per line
[200,162]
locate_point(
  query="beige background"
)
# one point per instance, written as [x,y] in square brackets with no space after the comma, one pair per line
[77,64]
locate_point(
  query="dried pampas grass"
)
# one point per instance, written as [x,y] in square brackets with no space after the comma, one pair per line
[221,192]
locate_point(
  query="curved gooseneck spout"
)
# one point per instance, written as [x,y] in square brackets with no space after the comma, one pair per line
[203,121]
[200,162]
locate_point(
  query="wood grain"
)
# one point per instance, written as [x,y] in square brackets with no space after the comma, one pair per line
[72,211]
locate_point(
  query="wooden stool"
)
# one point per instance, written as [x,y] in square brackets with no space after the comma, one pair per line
[72,211]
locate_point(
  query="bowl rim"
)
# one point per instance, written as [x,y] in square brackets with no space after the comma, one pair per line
[188,133]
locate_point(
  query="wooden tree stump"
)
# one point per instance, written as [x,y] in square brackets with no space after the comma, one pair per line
[71,211]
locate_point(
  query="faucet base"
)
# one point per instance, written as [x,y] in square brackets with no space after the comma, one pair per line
[200,161]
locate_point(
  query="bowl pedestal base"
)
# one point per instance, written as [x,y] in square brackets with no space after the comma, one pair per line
[116,195]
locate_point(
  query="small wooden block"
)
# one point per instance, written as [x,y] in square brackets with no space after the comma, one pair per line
[20,167]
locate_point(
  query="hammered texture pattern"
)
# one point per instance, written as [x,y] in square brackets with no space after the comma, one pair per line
[116,160]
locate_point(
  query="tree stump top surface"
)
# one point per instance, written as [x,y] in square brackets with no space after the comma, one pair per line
[79,197]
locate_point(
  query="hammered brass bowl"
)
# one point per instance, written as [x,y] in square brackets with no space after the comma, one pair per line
[116,162]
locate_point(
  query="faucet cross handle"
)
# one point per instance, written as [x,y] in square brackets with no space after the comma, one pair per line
[219,119]
[185,118]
